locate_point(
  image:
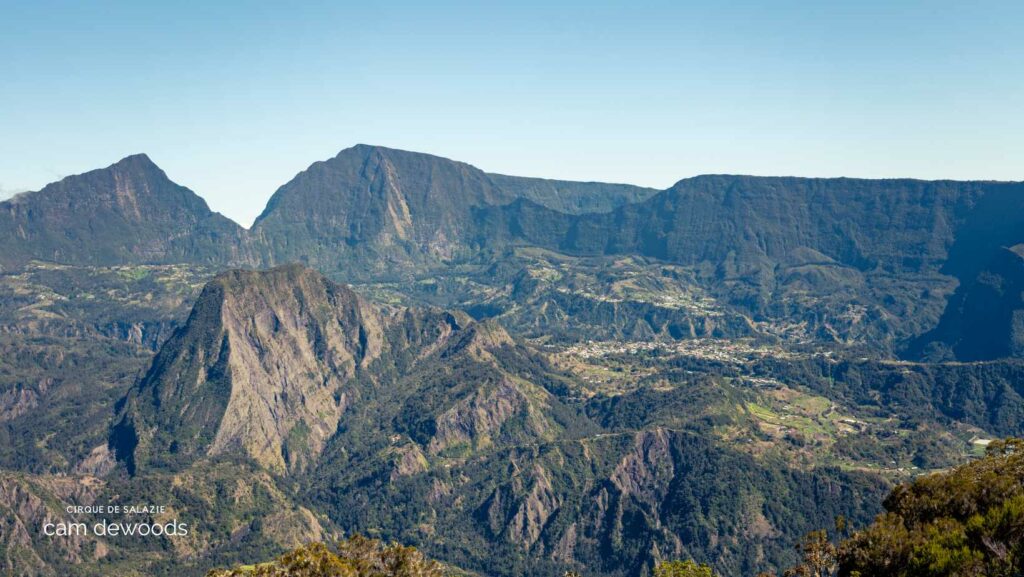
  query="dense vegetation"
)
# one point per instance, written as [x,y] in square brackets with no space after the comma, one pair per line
[497,451]
[356,556]
[964,523]
[968,522]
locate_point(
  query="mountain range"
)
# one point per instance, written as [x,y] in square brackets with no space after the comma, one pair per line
[518,375]
[856,261]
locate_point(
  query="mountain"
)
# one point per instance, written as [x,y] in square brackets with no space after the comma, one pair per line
[480,438]
[852,259]
[857,262]
[222,511]
[371,209]
[848,260]
[609,503]
[26,503]
[572,197]
[270,363]
[261,368]
[129,212]
[73,340]
[374,207]
[365,204]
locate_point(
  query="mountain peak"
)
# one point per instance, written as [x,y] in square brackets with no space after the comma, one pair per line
[365,150]
[480,339]
[403,207]
[259,369]
[128,212]
[268,363]
[137,159]
[138,164]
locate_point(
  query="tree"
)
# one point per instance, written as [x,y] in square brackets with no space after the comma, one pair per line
[355,557]
[963,523]
[682,569]
[314,560]
[817,554]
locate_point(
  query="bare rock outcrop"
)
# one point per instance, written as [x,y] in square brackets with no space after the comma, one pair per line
[264,368]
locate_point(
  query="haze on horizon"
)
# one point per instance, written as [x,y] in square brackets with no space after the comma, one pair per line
[233,100]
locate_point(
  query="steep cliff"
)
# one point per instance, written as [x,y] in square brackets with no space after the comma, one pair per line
[371,209]
[267,364]
[984,319]
[259,368]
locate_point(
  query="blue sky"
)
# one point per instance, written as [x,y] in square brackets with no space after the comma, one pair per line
[235,98]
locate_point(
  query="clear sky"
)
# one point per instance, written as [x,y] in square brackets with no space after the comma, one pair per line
[233,98]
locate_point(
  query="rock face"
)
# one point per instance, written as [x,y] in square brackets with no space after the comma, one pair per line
[372,208]
[572,197]
[258,369]
[374,202]
[608,503]
[281,387]
[263,368]
[219,503]
[746,219]
[369,207]
[129,212]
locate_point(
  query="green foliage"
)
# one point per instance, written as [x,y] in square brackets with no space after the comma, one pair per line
[817,555]
[356,556]
[685,568]
[967,522]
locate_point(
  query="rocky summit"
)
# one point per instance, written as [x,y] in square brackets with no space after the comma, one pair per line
[262,368]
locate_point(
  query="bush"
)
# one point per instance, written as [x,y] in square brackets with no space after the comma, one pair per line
[964,523]
[353,557]
[682,569]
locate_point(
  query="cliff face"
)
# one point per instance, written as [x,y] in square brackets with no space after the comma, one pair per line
[372,209]
[265,367]
[746,219]
[259,369]
[371,203]
[864,259]
[129,212]
[369,207]
[606,502]
[293,340]
[985,317]
[572,197]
